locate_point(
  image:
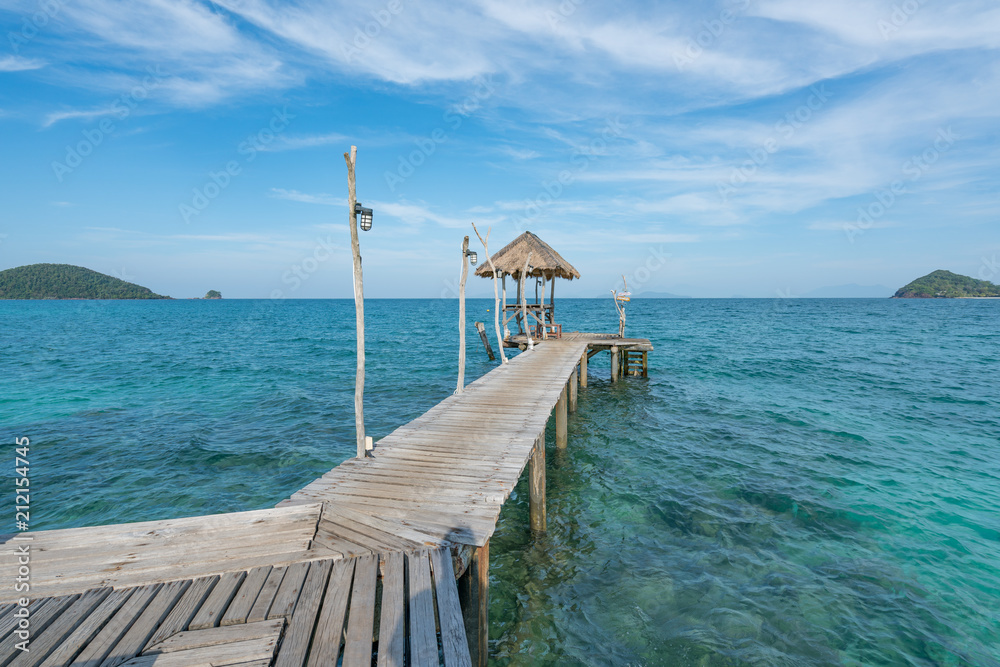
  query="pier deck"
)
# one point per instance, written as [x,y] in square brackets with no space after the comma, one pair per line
[355,562]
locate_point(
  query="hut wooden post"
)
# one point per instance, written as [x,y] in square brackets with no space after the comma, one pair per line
[561,419]
[359,305]
[503,302]
[474,593]
[583,368]
[461,316]
[545,331]
[614,363]
[552,298]
[536,485]
[496,294]
[524,303]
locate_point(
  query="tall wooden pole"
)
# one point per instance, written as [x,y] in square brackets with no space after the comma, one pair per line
[359,304]
[461,316]
[496,292]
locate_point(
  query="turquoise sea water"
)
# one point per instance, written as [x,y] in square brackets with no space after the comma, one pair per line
[799,482]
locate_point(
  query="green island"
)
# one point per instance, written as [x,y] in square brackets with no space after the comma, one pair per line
[213,294]
[65,281]
[942,284]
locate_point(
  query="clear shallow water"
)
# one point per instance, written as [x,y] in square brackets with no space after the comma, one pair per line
[799,482]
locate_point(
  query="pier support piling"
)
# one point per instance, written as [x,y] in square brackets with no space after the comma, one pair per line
[572,390]
[474,595]
[536,485]
[614,363]
[583,369]
[561,420]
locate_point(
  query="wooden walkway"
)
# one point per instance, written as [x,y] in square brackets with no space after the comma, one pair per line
[361,562]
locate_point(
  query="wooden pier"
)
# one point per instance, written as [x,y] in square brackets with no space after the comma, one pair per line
[385,556]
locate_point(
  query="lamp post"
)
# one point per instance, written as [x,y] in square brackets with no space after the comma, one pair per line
[355,209]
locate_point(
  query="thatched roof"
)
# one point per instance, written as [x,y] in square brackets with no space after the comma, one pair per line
[545,261]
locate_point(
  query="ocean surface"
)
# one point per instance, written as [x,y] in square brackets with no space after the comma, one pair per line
[798,482]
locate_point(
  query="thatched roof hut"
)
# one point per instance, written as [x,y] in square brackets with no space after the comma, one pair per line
[545,262]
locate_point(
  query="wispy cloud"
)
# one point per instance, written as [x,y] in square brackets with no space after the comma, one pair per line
[305,198]
[284,143]
[19,64]
[56,116]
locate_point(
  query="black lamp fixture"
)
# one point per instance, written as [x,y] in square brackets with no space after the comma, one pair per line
[472,256]
[366,216]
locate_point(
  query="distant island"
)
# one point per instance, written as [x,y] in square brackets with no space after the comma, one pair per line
[65,281]
[947,285]
[213,294]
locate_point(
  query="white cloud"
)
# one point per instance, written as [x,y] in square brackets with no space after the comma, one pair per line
[305,198]
[839,226]
[295,143]
[19,64]
[55,116]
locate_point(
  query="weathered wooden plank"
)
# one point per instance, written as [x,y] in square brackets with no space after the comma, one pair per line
[99,647]
[361,619]
[189,570]
[300,628]
[89,626]
[10,621]
[454,644]
[191,639]
[221,655]
[392,625]
[241,605]
[386,532]
[337,543]
[131,644]
[136,553]
[170,529]
[185,609]
[262,605]
[40,620]
[214,608]
[288,592]
[423,642]
[330,626]
[43,643]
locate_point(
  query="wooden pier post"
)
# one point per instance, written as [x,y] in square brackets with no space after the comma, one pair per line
[561,416]
[583,369]
[614,363]
[536,485]
[572,390]
[486,341]
[474,595]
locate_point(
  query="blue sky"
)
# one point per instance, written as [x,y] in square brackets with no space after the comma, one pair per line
[760,148]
